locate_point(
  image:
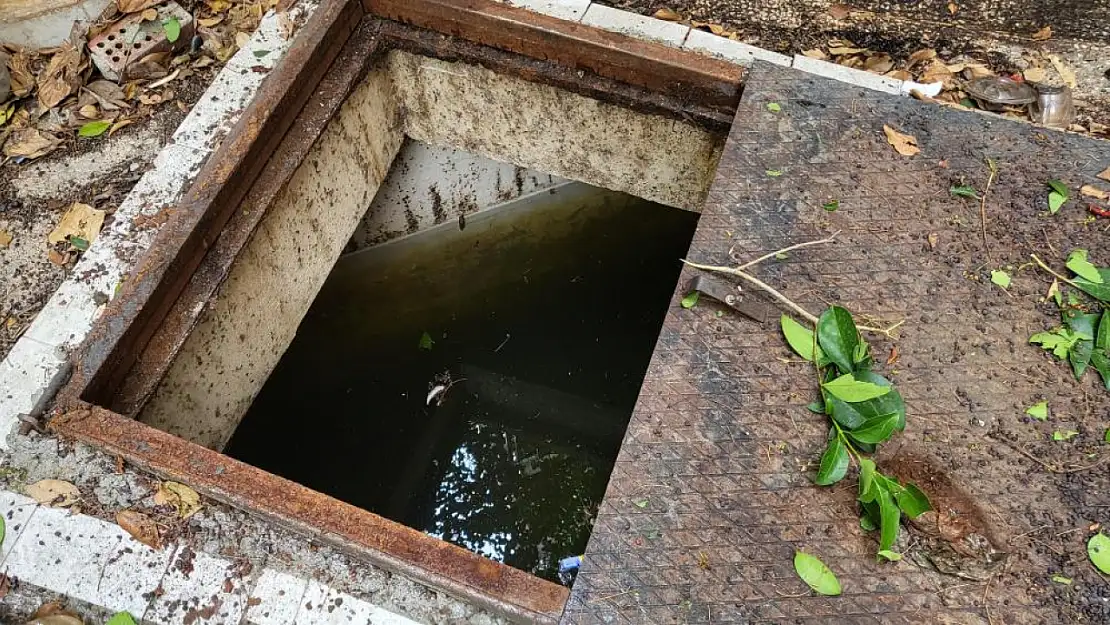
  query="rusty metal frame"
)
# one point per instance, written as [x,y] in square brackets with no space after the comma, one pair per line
[134,342]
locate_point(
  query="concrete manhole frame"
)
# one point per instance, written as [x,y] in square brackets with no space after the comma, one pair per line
[133,343]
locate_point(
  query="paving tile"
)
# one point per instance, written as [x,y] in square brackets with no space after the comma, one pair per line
[62,551]
[571,10]
[324,605]
[276,598]
[17,511]
[729,50]
[199,588]
[635,25]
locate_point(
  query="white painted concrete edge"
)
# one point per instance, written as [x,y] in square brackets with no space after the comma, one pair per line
[52,549]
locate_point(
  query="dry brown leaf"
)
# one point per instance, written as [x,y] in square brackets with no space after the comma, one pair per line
[1065,72]
[879,63]
[61,77]
[119,124]
[953,8]
[904,144]
[1105,174]
[141,527]
[58,619]
[152,99]
[937,72]
[242,39]
[932,239]
[1034,74]
[54,493]
[1043,34]
[81,220]
[839,11]
[287,26]
[30,143]
[209,22]
[1095,192]
[841,50]
[921,55]
[57,258]
[184,499]
[5,239]
[900,74]
[134,6]
[667,15]
[22,79]
[815,54]
[108,95]
[88,111]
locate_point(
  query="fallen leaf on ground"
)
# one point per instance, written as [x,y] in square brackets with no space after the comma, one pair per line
[1066,74]
[953,8]
[1105,174]
[61,77]
[815,54]
[932,238]
[94,129]
[1038,411]
[209,22]
[839,11]
[1043,34]
[1064,435]
[184,499]
[1095,192]
[134,6]
[107,94]
[690,300]
[23,80]
[30,143]
[904,144]
[667,15]
[1001,278]
[121,618]
[81,220]
[286,26]
[56,257]
[54,493]
[141,527]
[150,15]
[814,573]
[842,50]
[5,238]
[120,124]
[58,619]
[921,55]
[880,64]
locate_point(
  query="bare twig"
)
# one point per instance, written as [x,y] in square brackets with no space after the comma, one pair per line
[784,250]
[1040,262]
[786,301]
[983,207]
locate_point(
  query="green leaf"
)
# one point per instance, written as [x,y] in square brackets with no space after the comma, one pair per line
[1055,201]
[94,129]
[866,480]
[1001,278]
[889,518]
[814,573]
[834,463]
[1106,436]
[640,503]
[838,337]
[1099,291]
[964,191]
[1038,411]
[1078,263]
[690,300]
[849,389]
[1059,341]
[876,430]
[798,336]
[82,245]
[774,173]
[831,206]
[1098,549]
[172,28]
[892,556]
[1102,337]
[1064,435]
[1059,187]
[816,406]
[1080,357]
[121,618]
[773,107]
[1101,362]
[781,256]
[853,415]
[912,501]
[867,524]
[426,341]
[1060,579]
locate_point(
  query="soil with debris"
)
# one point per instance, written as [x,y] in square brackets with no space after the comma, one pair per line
[1006,37]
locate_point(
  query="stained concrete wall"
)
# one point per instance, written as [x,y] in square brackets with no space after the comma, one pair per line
[243,334]
[548,129]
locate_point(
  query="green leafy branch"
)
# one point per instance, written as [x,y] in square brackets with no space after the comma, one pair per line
[864,411]
[1083,338]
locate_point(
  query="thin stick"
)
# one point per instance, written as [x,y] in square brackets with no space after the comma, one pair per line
[1040,262]
[786,301]
[789,249]
[983,207]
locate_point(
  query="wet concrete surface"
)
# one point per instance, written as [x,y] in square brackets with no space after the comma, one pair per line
[713,490]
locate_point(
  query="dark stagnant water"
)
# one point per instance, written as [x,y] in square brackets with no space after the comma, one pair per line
[543,316]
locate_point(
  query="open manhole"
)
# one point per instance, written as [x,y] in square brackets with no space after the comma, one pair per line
[415,321]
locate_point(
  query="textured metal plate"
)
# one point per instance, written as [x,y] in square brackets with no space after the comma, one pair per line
[712,491]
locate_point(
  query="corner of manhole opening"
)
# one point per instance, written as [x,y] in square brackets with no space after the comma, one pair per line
[472,360]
